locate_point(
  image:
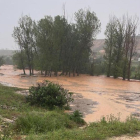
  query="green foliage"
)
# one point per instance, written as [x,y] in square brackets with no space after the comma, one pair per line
[120,45]
[1,60]
[50,95]
[24,36]
[77,117]
[110,44]
[135,71]
[114,47]
[8,60]
[13,104]
[54,44]
[37,122]
[20,60]
[95,131]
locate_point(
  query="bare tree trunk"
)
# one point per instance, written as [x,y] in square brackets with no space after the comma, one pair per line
[69,73]
[92,69]
[50,73]
[56,73]
[73,72]
[41,72]
[125,68]
[129,72]
[45,73]
[77,72]
[32,71]
[109,69]
[24,71]
[66,73]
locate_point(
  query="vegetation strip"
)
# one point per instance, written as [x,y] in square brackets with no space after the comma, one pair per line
[34,122]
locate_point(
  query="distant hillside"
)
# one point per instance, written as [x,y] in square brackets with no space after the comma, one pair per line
[97,47]
[99,44]
[6,52]
[138,44]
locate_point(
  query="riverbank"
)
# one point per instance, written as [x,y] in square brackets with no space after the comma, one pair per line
[19,120]
[95,96]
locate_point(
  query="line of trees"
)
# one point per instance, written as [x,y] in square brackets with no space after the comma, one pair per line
[54,44]
[120,46]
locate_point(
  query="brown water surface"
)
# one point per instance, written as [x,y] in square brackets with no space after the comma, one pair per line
[95,96]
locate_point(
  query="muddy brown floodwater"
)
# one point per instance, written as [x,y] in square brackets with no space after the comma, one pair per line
[94,96]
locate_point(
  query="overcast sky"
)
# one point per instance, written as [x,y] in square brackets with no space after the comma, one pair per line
[11,11]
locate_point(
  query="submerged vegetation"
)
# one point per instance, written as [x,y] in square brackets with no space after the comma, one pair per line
[54,44]
[120,46]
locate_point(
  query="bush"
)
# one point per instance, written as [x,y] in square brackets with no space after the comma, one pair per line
[48,94]
[77,117]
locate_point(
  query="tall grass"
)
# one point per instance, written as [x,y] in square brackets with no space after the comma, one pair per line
[39,122]
[95,131]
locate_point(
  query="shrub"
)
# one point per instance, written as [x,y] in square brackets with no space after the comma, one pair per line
[48,94]
[77,117]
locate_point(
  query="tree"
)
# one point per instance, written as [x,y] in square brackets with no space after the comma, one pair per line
[87,26]
[129,44]
[109,44]
[120,46]
[20,60]
[60,41]
[1,60]
[24,36]
[53,44]
[43,36]
[118,49]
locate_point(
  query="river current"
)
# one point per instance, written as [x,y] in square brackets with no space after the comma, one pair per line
[95,96]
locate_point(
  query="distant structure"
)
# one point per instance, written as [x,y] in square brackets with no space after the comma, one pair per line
[98,45]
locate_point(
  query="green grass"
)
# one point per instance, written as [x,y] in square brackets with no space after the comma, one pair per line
[12,104]
[95,131]
[39,122]
[35,123]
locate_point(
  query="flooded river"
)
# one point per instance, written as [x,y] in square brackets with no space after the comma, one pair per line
[94,96]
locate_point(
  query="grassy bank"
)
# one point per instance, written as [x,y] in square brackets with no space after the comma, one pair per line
[36,123]
[12,104]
